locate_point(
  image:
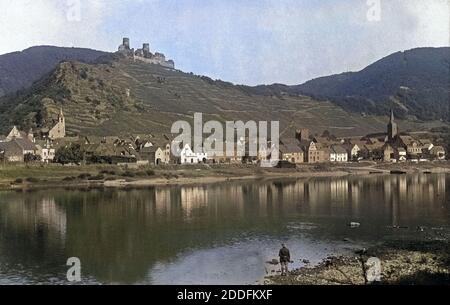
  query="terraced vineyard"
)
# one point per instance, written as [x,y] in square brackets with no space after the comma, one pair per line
[123,97]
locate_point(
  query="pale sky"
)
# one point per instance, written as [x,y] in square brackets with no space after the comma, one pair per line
[242,41]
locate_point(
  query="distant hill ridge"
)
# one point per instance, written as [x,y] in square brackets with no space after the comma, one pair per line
[413,83]
[19,70]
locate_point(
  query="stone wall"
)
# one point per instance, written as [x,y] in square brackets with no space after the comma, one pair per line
[156,61]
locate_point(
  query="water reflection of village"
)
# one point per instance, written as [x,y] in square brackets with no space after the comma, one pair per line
[120,234]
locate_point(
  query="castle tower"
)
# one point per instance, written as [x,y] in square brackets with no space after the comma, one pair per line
[392,127]
[146,50]
[125,46]
[126,43]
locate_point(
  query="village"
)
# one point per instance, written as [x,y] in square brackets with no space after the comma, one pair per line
[53,146]
[281,145]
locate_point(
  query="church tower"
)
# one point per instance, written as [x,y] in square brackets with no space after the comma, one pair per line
[392,127]
[59,130]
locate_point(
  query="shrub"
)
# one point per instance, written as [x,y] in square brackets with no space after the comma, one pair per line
[83,74]
[150,172]
[108,172]
[18,180]
[31,158]
[321,167]
[70,154]
[84,176]
[96,178]
[32,180]
[128,174]
[69,178]
[101,83]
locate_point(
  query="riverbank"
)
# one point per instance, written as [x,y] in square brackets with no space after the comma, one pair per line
[410,262]
[32,176]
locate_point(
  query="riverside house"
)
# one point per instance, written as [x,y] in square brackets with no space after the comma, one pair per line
[338,154]
[188,156]
[291,151]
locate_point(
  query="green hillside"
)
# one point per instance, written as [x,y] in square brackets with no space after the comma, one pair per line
[120,97]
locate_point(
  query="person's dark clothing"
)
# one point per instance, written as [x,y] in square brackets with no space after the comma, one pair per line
[285,255]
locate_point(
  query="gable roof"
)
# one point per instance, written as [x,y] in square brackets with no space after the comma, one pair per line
[290,148]
[338,149]
[11,148]
[408,140]
[25,144]
[426,141]
[374,146]
[325,141]
[359,143]
[438,149]
[150,149]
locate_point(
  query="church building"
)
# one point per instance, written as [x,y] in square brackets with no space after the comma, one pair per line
[59,130]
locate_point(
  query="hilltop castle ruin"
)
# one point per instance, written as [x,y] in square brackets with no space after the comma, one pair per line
[144,54]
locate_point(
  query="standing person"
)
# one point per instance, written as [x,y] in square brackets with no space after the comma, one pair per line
[285,259]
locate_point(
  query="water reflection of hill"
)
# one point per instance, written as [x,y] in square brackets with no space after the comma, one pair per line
[120,234]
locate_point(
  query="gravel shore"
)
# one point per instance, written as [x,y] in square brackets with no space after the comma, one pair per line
[403,262]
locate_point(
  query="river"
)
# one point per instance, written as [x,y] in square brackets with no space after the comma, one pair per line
[211,234]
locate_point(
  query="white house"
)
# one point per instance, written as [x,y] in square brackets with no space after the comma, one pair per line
[162,154]
[354,151]
[338,154]
[402,153]
[47,155]
[189,157]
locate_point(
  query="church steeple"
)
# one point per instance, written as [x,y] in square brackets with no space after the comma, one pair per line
[392,127]
[61,116]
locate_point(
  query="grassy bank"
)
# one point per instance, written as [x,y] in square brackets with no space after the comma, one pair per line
[17,176]
[14,176]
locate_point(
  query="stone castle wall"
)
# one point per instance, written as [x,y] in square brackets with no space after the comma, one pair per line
[144,54]
[155,61]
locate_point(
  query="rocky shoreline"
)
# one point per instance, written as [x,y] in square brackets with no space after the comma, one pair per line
[403,262]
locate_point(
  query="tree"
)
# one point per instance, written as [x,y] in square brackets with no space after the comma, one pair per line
[329,135]
[377,154]
[326,134]
[31,158]
[70,154]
